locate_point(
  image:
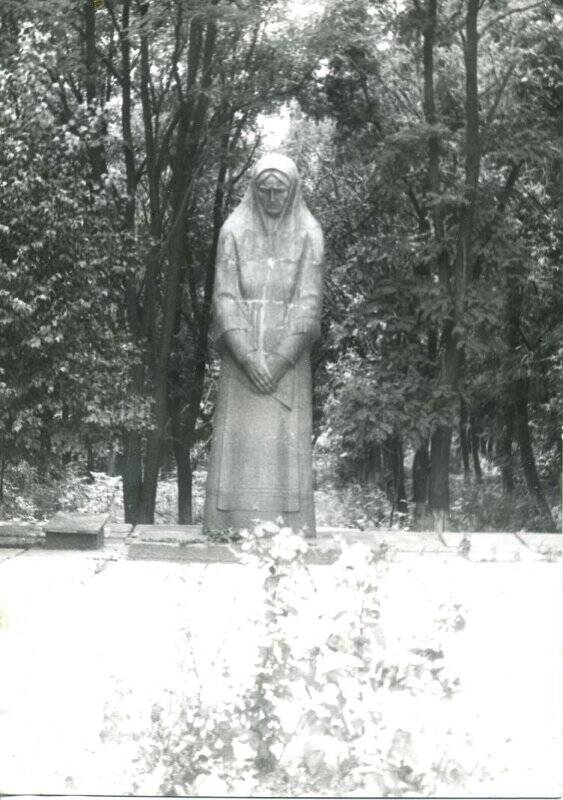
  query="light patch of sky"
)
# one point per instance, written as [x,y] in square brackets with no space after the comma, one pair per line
[302,9]
[274,128]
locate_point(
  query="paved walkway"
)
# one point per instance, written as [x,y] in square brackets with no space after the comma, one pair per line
[90,640]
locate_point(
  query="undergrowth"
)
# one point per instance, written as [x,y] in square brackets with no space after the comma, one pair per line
[29,496]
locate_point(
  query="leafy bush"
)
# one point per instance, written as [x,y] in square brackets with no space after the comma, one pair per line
[484,507]
[28,495]
[352,506]
[330,706]
[32,495]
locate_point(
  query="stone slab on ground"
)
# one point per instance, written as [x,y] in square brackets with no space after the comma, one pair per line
[178,534]
[187,543]
[325,553]
[324,550]
[75,531]
[192,553]
[117,530]
[16,534]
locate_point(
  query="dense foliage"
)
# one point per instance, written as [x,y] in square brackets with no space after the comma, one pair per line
[429,138]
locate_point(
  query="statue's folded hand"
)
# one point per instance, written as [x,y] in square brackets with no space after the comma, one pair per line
[255,366]
[277,366]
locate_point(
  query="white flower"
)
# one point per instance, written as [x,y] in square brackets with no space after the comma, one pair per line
[338,662]
[354,556]
[266,529]
[209,785]
[242,750]
[286,545]
[330,694]
[323,749]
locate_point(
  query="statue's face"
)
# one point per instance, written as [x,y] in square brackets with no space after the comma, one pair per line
[273,192]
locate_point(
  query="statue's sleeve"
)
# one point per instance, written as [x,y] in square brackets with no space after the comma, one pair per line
[305,311]
[228,308]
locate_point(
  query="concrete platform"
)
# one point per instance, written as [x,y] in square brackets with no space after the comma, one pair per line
[186,543]
[90,641]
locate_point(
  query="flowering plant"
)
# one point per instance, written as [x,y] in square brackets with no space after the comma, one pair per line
[333,705]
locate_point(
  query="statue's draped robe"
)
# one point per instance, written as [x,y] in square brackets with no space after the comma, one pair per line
[267,288]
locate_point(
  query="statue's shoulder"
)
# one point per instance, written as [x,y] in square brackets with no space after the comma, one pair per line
[314,230]
[311,224]
[236,224]
[227,228]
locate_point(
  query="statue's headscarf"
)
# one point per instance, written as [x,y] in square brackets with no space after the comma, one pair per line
[254,246]
[294,215]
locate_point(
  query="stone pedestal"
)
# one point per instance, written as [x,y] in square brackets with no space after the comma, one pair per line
[75,531]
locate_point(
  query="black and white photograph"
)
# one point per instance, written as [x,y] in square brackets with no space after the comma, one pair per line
[281,408]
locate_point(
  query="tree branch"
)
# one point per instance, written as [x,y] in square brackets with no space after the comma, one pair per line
[508,13]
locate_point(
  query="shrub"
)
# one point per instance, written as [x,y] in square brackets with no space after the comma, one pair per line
[330,706]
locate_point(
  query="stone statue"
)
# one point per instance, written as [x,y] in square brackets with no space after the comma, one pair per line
[266,315]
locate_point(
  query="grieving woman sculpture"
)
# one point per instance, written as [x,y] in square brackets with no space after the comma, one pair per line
[266,309]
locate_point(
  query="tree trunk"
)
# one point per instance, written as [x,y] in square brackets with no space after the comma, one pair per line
[505,451]
[452,344]
[439,484]
[152,461]
[490,447]
[156,437]
[132,462]
[474,433]
[184,483]
[111,459]
[463,440]
[96,150]
[394,474]
[45,441]
[90,460]
[524,439]
[2,468]
[420,471]
[132,473]
[184,422]
[400,490]
[370,466]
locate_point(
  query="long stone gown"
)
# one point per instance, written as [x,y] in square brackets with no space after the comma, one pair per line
[268,287]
